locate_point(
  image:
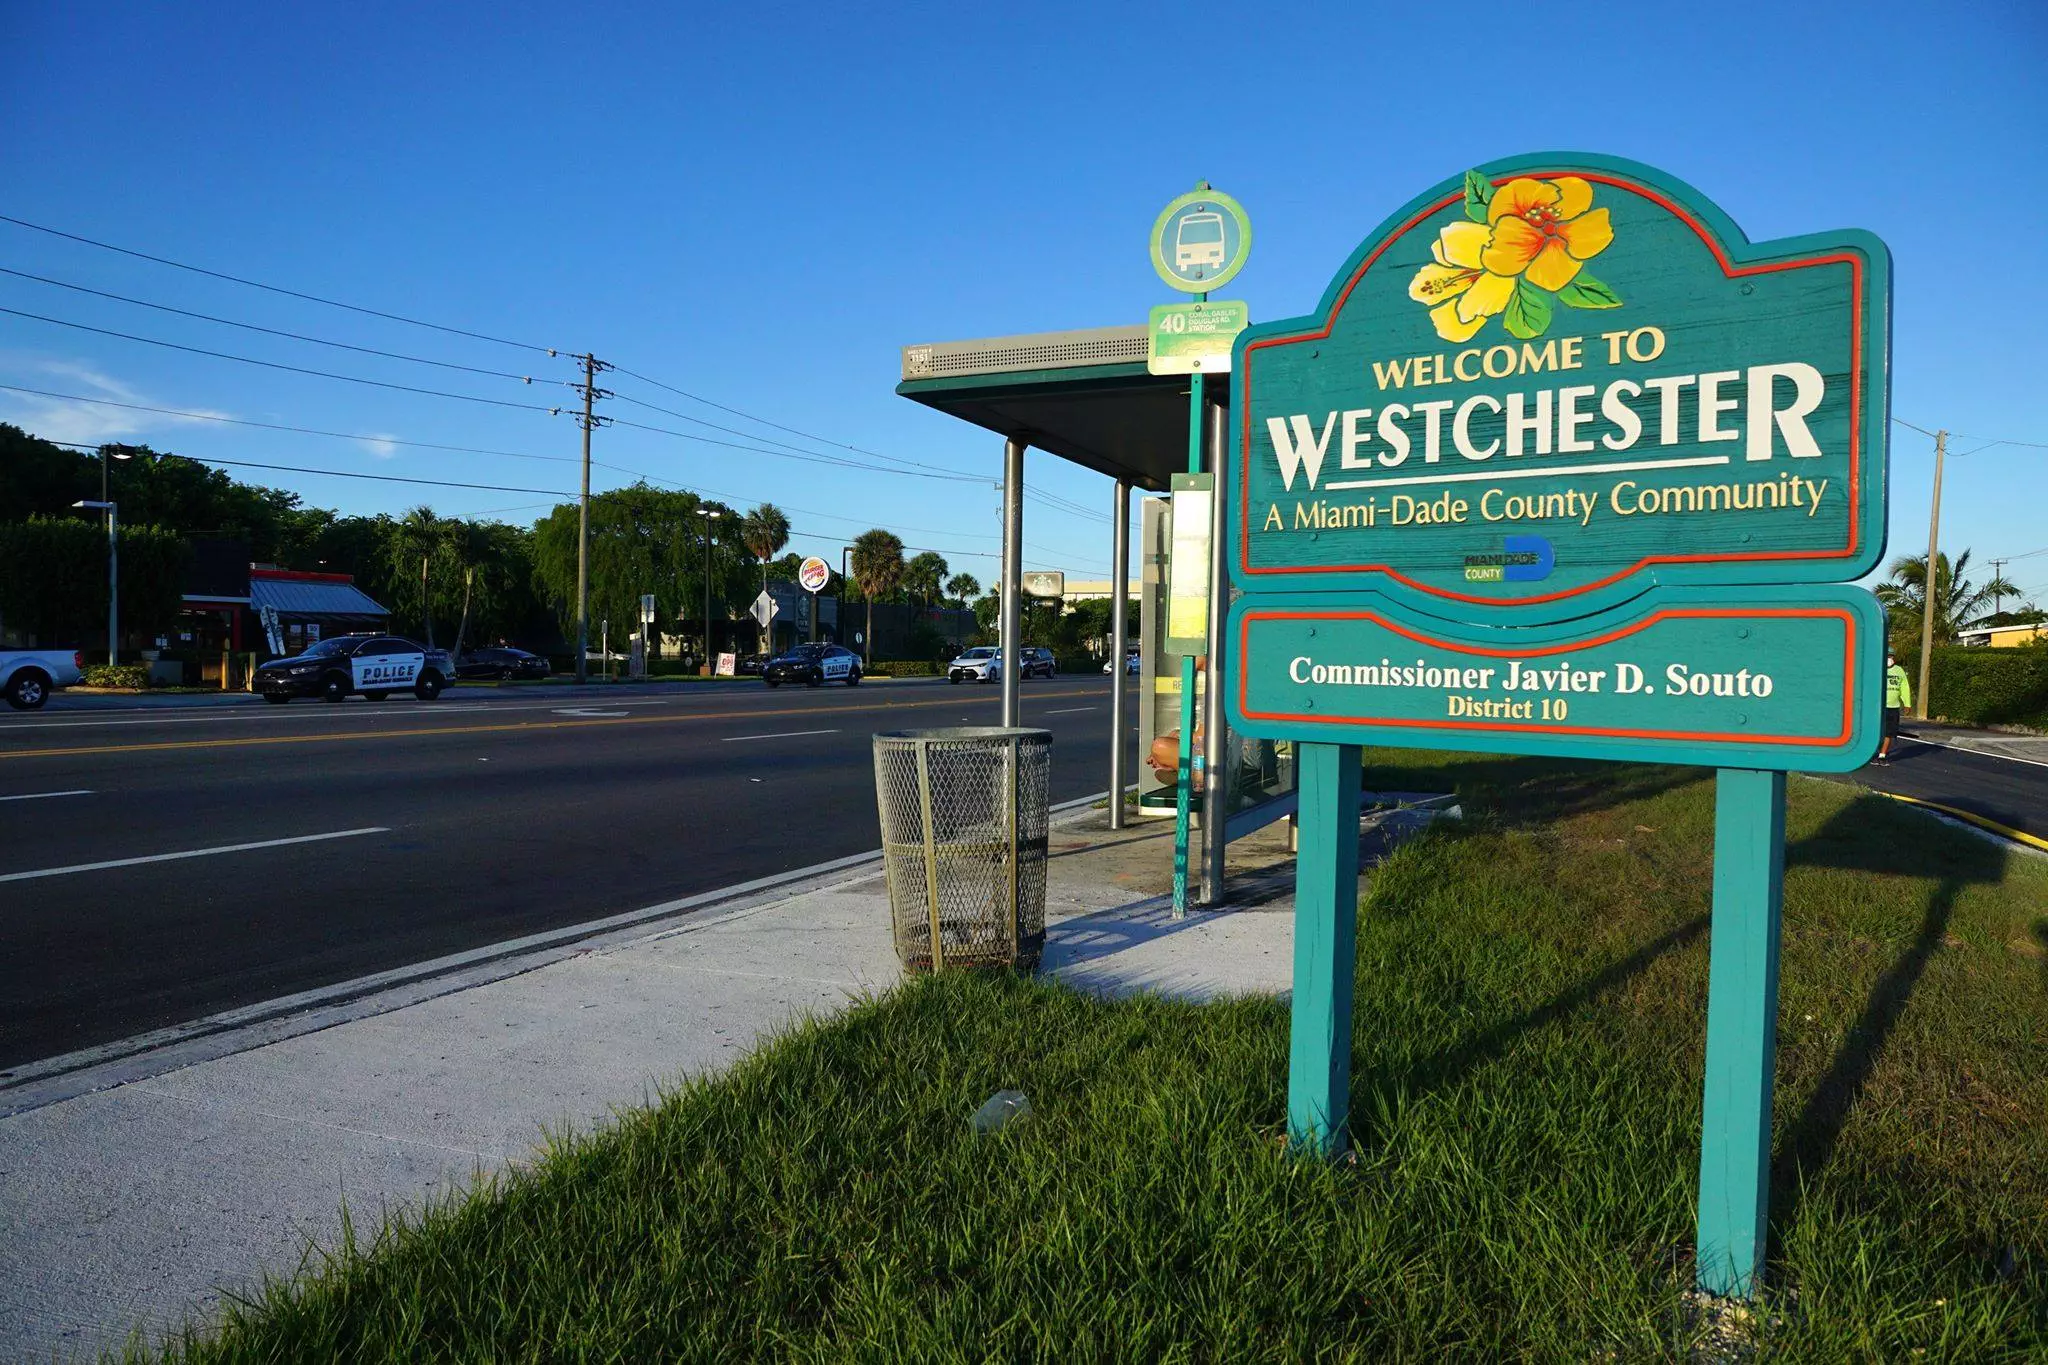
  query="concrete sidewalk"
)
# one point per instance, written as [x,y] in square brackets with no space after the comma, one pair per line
[133,1208]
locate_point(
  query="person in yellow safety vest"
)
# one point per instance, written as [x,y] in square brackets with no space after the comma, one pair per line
[1898,694]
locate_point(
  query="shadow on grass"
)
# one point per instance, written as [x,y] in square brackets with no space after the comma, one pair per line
[1869,835]
[1521,788]
[1385,1093]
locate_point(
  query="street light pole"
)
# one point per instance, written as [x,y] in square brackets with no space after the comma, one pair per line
[113,576]
[710,515]
[839,624]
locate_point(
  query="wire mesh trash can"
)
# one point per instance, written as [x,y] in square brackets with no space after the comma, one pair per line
[964,838]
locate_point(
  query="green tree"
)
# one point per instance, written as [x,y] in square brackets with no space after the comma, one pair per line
[642,540]
[924,577]
[413,543]
[1958,603]
[53,579]
[963,588]
[878,566]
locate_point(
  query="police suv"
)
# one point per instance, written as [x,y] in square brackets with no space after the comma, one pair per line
[374,665]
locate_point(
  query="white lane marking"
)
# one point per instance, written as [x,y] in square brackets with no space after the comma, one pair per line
[190,853]
[344,712]
[782,734]
[1981,753]
[589,713]
[1069,710]
[42,796]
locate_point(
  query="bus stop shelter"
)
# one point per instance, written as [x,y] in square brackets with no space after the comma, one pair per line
[1088,397]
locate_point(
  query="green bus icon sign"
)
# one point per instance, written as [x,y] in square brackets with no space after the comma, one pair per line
[1200,241]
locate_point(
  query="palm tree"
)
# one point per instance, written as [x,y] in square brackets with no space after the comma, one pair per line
[764,531]
[417,538]
[878,568]
[963,588]
[1958,603]
[923,575]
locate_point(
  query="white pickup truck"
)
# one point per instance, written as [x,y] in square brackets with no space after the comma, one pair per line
[27,677]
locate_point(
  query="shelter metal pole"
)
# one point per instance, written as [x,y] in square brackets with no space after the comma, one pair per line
[1013,572]
[1214,838]
[1119,644]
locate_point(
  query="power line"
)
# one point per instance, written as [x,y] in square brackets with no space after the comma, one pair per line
[763,421]
[433,445]
[733,431]
[338,473]
[791,454]
[275,365]
[277,332]
[280,426]
[1988,441]
[276,289]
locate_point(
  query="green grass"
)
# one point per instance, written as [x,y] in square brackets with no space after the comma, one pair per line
[1531,988]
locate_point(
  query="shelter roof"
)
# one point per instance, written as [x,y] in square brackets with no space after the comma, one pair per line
[1084,396]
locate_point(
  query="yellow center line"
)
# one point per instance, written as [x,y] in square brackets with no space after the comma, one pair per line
[252,741]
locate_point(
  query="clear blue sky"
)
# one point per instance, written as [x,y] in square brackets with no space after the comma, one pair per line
[760,205]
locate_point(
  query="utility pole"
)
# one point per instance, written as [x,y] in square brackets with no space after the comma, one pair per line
[1997,577]
[592,367]
[1930,587]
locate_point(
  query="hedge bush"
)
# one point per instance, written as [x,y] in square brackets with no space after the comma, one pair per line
[902,668]
[1973,685]
[132,676]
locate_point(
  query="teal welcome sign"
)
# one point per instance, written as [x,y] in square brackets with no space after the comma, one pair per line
[1555,381]
[1564,464]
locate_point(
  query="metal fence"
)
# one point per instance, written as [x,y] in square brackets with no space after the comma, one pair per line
[964,820]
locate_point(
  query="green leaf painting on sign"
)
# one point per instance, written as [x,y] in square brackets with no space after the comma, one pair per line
[1528,312]
[1478,194]
[1586,292]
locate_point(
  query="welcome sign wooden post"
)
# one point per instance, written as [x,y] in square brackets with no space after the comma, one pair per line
[1564,464]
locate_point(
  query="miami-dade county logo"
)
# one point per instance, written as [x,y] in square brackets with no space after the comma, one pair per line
[1522,251]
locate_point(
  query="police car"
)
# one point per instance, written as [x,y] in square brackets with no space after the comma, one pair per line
[813,665]
[374,665]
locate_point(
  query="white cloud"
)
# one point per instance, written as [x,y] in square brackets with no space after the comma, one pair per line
[381,446]
[63,419]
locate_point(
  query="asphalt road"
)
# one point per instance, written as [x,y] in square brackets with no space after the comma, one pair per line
[453,825]
[2009,791]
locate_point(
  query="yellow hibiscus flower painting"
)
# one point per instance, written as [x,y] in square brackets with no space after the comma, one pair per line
[1522,249]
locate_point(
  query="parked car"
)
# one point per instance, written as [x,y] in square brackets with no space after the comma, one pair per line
[751,665]
[984,663]
[373,665]
[28,676]
[500,662]
[1131,664]
[812,665]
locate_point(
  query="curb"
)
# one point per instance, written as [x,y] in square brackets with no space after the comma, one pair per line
[2005,832]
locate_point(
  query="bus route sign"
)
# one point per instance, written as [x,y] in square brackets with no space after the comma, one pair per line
[1548,384]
